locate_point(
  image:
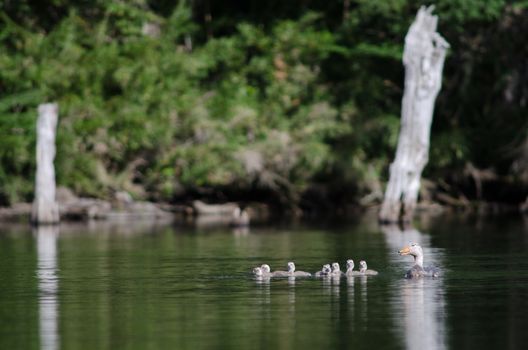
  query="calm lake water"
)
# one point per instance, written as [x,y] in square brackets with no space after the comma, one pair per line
[144,286]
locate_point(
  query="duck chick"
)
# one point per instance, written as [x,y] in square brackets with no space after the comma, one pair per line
[326,271]
[350,269]
[364,271]
[257,271]
[336,270]
[266,270]
[291,270]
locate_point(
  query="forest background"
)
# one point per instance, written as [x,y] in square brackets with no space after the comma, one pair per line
[294,103]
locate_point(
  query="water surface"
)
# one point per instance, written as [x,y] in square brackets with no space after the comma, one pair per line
[146,286]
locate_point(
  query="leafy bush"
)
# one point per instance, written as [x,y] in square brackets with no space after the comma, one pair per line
[151,105]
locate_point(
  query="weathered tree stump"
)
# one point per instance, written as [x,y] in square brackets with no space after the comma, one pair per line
[423,58]
[45,208]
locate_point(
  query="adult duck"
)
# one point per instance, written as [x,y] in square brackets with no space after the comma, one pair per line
[418,269]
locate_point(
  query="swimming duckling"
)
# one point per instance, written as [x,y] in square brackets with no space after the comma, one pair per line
[260,275]
[364,271]
[336,270]
[257,271]
[281,273]
[292,272]
[326,271]
[418,270]
[266,270]
[350,269]
[262,270]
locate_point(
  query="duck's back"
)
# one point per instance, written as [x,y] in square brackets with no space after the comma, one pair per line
[353,273]
[281,274]
[432,271]
[301,274]
[415,272]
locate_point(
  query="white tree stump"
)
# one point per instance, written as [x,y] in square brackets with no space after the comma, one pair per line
[45,208]
[423,58]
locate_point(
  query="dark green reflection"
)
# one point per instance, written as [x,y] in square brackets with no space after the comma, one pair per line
[192,289]
[19,318]
[142,286]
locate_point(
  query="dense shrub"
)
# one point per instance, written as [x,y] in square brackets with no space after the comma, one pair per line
[156,101]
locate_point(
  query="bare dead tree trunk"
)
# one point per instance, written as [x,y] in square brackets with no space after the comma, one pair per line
[45,208]
[423,58]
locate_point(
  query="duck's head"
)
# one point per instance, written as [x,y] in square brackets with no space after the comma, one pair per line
[335,267]
[327,268]
[265,268]
[350,264]
[291,267]
[362,265]
[413,249]
[257,271]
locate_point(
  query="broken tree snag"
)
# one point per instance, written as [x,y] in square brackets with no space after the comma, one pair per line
[45,208]
[423,58]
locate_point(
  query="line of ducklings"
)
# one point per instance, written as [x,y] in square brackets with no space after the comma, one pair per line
[327,271]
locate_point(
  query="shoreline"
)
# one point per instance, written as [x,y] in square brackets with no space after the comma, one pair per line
[90,209]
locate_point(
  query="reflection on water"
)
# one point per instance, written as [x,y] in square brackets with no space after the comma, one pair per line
[351,304]
[263,280]
[331,285]
[335,283]
[48,283]
[422,299]
[327,285]
[151,286]
[212,221]
[364,299]
[424,314]
[240,231]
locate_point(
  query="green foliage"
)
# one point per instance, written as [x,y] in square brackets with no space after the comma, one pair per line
[265,103]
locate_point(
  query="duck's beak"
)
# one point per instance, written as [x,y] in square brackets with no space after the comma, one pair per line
[405,250]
